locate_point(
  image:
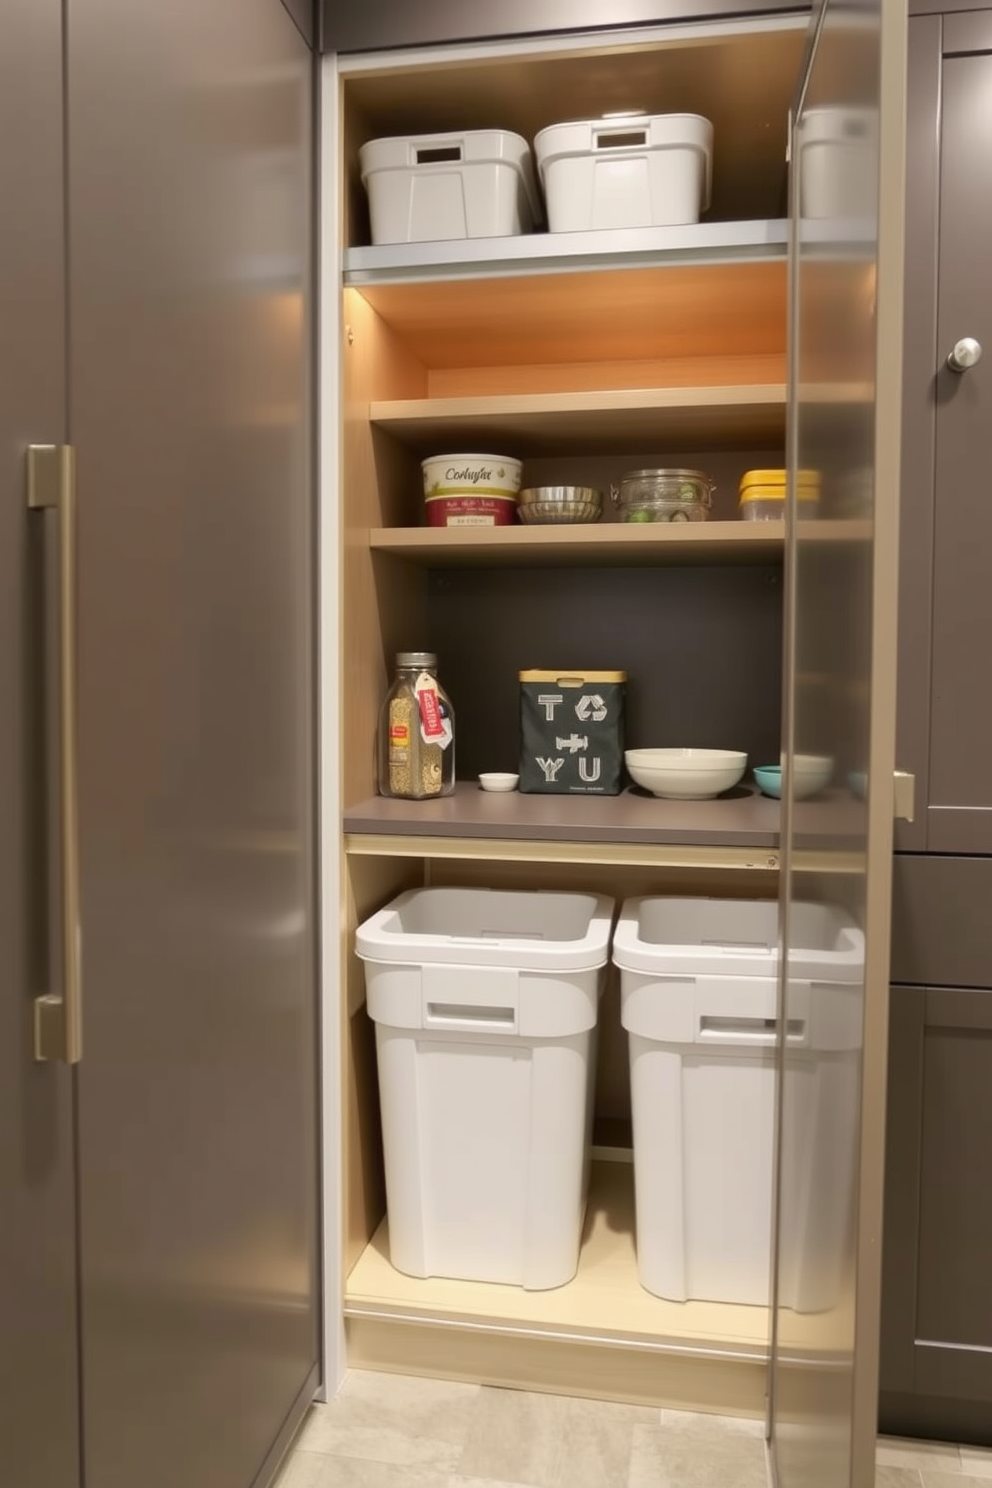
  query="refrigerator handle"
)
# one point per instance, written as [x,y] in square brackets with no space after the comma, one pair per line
[51,483]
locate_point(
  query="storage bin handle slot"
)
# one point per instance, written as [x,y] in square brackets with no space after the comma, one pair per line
[438,154]
[750,1030]
[622,139]
[450,1013]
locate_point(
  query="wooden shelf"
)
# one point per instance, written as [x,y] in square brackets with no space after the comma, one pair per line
[702,418]
[604,1302]
[594,544]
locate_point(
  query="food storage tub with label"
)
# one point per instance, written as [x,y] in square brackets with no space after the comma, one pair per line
[478,183]
[633,171]
[485,1005]
[699,998]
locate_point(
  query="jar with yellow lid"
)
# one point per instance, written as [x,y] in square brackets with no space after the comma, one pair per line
[763,492]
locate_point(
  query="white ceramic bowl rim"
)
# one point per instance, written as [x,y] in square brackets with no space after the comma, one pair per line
[685,759]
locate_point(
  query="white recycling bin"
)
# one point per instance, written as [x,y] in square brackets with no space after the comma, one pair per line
[699,995]
[485,1005]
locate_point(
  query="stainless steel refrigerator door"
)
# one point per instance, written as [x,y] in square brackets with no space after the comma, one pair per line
[190,312]
[844,422]
[39,1441]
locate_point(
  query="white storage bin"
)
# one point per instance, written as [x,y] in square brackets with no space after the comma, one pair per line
[654,171]
[477,184]
[485,1006]
[699,998]
[838,174]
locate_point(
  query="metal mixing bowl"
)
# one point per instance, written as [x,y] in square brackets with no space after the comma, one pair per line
[549,504]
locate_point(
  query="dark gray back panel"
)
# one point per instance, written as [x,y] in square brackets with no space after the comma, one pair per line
[702,649]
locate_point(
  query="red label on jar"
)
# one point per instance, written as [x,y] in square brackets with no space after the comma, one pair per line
[431,725]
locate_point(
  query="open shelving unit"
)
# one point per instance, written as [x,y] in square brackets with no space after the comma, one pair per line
[585,355]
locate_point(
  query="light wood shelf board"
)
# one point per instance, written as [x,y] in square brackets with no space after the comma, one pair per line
[604,1303]
[594,544]
[614,420]
[559,1366]
[633,855]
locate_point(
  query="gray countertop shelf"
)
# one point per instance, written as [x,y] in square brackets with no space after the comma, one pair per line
[536,253]
[740,818]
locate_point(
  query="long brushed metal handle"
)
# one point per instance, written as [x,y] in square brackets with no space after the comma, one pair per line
[58,1017]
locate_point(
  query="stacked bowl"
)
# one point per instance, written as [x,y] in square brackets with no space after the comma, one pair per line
[560,504]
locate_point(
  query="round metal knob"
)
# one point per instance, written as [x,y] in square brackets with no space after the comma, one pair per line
[967,353]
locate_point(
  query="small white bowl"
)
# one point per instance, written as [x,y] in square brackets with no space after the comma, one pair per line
[811,773]
[496,780]
[686,774]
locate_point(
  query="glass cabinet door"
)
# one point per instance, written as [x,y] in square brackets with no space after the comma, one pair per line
[838,747]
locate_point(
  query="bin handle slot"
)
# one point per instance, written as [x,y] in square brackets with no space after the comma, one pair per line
[621,139]
[724,944]
[438,154]
[461,1012]
[751,1030]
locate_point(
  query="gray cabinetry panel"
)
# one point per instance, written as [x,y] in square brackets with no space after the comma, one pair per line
[38,1377]
[941,928]
[918,432]
[954,1290]
[971,32]
[379,24]
[961,704]
[936,1374]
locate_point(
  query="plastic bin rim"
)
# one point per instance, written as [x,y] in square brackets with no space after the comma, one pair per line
[588,954]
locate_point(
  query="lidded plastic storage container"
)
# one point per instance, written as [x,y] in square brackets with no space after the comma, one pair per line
[485,1005]
[838,163]
[475,184]
[664,496]
[632,171]
[699,995]
[763,493]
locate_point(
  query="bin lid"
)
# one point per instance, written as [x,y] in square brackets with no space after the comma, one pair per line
[534,931]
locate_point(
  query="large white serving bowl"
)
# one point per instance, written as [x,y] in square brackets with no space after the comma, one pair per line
[686,774]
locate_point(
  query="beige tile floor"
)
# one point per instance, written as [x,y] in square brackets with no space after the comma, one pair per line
[394,1431]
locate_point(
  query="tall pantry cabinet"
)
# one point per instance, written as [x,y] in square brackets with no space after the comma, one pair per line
[586,355]
[937,1313]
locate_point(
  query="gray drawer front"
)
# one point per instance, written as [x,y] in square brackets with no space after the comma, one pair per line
[942,921]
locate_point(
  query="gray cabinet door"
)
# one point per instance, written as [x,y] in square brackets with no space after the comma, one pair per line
[960,807]
[936,1363]
[38,1351]
[190,307]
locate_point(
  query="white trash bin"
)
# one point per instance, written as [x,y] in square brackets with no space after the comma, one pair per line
[485,1005]
[699,996]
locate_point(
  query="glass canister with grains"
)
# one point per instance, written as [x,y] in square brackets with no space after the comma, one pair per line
[416,739]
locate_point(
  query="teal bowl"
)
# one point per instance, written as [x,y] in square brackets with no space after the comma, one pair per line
[769,778]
